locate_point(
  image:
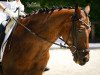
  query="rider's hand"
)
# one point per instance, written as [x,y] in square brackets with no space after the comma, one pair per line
[22,14]
[21,9]
[11,13]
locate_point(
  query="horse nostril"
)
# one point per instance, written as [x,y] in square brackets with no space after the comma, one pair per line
[85,59]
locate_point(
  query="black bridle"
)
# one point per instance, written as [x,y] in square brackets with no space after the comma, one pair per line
[74,33]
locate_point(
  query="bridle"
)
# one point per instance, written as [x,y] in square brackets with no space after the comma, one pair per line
[74,33]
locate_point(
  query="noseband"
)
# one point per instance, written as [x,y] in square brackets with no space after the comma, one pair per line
[73,33]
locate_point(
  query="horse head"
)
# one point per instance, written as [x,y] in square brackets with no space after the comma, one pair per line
[78,39]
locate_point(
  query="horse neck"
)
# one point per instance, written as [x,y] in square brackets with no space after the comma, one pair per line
[49,25]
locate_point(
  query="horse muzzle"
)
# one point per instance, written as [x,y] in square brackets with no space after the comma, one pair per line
[82,61]
[81,57]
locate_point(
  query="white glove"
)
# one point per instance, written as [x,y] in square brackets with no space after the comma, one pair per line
[22,14]
[11,13]
[21,9]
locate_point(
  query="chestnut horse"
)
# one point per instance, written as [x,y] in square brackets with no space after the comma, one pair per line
[27,50]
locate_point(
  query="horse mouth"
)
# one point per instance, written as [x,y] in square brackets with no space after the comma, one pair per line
[81,61]
[81,58]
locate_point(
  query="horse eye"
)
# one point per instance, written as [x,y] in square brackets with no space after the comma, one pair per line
[80,30]
[82,23]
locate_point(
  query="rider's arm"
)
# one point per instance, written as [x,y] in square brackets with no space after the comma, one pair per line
[7,11]
[11,13]
[2,7]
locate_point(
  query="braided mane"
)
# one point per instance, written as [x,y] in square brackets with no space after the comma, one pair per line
[47,10]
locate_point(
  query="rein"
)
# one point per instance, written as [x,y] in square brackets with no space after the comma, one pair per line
[33,33]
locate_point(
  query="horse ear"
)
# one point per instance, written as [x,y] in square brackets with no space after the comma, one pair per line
[87,9]
[77,9]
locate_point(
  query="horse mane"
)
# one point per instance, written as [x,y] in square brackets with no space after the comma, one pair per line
[47,10]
